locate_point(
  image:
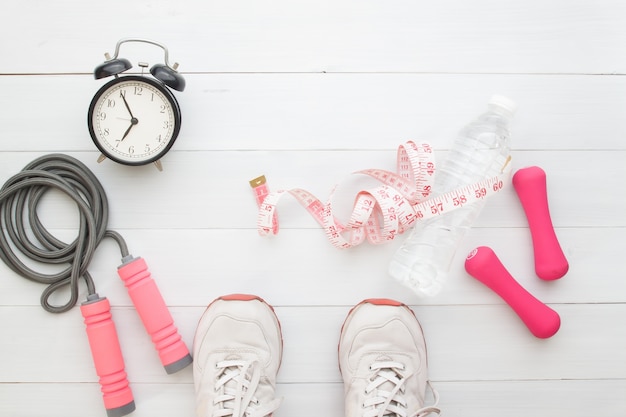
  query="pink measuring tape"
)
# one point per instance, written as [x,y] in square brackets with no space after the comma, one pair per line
[381,213]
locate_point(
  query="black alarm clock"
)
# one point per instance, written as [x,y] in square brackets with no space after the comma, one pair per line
[135,119]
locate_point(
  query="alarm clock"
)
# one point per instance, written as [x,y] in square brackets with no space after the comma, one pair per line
[135,119]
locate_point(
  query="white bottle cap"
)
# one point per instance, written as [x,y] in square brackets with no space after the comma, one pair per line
[503,101]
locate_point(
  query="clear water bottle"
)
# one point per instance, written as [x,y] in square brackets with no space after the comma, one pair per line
[479,152]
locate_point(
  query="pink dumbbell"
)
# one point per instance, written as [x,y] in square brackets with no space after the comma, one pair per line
[483,264]
[530,185]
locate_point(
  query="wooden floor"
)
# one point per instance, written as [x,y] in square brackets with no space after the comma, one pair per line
[307,92]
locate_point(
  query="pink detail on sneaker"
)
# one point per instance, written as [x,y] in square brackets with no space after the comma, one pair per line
[240,297]
[383,301]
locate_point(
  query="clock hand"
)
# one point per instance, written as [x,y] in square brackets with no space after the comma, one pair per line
[127,106]
[127,132]
[133,122]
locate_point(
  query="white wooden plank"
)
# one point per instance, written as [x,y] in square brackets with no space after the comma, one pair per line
[477,343]
[330,111]
[578,398]
[313,36]
[466,343]
[300,268]
[55,400]
[538,398]
[211,190]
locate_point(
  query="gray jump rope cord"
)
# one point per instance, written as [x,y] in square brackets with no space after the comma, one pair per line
[19,198]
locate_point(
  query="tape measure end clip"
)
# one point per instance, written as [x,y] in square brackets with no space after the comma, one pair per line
[257,181]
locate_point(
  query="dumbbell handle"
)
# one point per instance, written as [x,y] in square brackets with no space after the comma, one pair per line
[107,356]
[483,264]
[530,185]
[154,314]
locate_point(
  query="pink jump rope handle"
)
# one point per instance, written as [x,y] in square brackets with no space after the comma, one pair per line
[107,356]
[530,184]
[483,264]
[154,314]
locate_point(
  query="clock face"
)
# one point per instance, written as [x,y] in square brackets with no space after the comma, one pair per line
[134,120]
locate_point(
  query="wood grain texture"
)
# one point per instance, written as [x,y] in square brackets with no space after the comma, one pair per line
[484,398]
[484,36]
[308,92]
[331,111]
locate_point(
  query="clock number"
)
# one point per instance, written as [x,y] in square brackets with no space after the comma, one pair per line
[123,93]
[159,138]
[106,131]
[162,108]
[102,116]
[147,148]
[166,124]
[131,150]
[110,103]
[138,90]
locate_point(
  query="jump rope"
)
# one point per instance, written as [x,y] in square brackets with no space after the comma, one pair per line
[24,237]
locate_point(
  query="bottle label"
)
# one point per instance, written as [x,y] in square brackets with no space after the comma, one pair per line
[381,213]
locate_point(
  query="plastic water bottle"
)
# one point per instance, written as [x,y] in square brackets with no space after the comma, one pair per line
[479,152]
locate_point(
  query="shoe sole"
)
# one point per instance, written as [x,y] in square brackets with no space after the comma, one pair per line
[378,302]
[251,297]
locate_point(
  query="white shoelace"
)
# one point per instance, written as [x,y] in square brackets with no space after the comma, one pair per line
[237,383]
[386,393]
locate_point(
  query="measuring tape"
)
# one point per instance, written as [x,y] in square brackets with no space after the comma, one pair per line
[381,213]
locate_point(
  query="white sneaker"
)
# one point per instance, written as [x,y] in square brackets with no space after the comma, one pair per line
[237,352]
[382,358]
